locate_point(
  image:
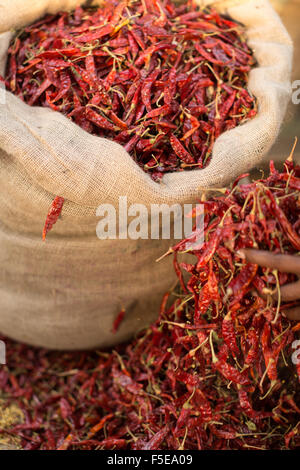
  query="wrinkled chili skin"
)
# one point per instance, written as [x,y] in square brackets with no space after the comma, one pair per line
[134,69]
[53,214]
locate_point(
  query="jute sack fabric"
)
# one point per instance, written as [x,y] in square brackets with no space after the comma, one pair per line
[66,292]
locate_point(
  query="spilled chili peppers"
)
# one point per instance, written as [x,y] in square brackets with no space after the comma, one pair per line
[213,372]
[162,80]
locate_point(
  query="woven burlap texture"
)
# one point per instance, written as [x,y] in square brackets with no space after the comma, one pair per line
[65,293]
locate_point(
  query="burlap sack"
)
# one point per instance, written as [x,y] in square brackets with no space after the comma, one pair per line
[65,293]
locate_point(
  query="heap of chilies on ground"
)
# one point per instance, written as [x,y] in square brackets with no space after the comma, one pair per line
[162,80]
[215,371]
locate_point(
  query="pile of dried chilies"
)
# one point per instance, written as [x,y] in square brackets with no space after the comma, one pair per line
[213,372]
[162,80]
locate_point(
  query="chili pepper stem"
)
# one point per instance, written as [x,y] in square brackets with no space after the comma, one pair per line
[275,272]
[291,155]
[273,383]
[181,447]
[169,252]
[271,360]
[214,357]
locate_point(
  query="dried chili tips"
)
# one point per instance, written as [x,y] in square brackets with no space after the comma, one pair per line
[160,79]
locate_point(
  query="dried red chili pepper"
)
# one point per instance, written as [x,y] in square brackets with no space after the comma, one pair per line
[228,332]
[118,320]
[180,151]
[53,214]
[239,284]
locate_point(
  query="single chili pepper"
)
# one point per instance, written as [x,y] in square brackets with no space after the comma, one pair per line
[205,55]
[95,429]
[186,378]
[270,361]
[247,406]
[90,37]
[66,443]
[240,283]
[157,439]
[223,434]
[210,248]
[146,89]
[180,151]
[134,48]
[99,120]
[230,373]
[118,122]
[109,443]
[65,81]
[170,87]
[119,319]
[53,214]
[31,64]
[253,352]
[161,112]
[39,91]
[137,34]
[145,57]
[195,125]
[228,332]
